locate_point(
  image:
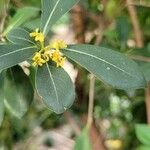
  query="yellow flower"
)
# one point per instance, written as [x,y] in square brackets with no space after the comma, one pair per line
[58,44]
[60,62]
[57,58]
[35,33]
[51,52]
[38,36]
[47,55]
[38,60]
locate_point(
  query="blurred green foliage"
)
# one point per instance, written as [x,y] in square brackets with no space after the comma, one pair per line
[116,112]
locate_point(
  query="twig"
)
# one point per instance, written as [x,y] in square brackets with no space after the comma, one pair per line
[135,23]
[91,101]
[140,58]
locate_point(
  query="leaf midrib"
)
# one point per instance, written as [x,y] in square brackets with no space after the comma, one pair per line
[83,53]
[21,49]
[55,89]
[50,16]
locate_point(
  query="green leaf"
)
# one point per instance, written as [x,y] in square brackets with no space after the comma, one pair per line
[32,75]
[143,133]
[146,71]
[52,10]
[33,24]
[55,87]
[18,91]
[20,36]
[143,147]
[108,65]
[83,142]
[21,16]
[11,55]
[1,97]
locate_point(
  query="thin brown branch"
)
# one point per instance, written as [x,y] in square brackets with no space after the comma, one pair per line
[140,58]
[135,23]
[91,101]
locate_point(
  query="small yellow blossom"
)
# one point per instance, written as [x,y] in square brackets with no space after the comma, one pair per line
[60,62]
[37,35]
[38,60]
[47,55]
[58,44]
[57,58]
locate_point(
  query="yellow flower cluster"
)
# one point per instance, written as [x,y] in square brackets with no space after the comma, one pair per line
[51,52]
[38,60]
[38,36]
[58,44]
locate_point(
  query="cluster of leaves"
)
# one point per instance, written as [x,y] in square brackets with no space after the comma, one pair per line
[53,84]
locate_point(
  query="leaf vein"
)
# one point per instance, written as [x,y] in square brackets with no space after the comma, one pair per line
[50,16]
[83,53]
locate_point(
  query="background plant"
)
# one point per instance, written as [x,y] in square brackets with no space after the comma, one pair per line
[115,37]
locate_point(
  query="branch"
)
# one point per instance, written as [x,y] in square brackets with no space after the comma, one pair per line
[135,23]
[91,101]
[140,58]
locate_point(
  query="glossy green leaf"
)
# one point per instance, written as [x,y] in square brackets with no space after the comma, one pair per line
[21,16]
[1,97]
[20,36]
[11,55]
[108,65]
[143,133]
[83,142]
[52,10]
[55,87]
[18,91]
